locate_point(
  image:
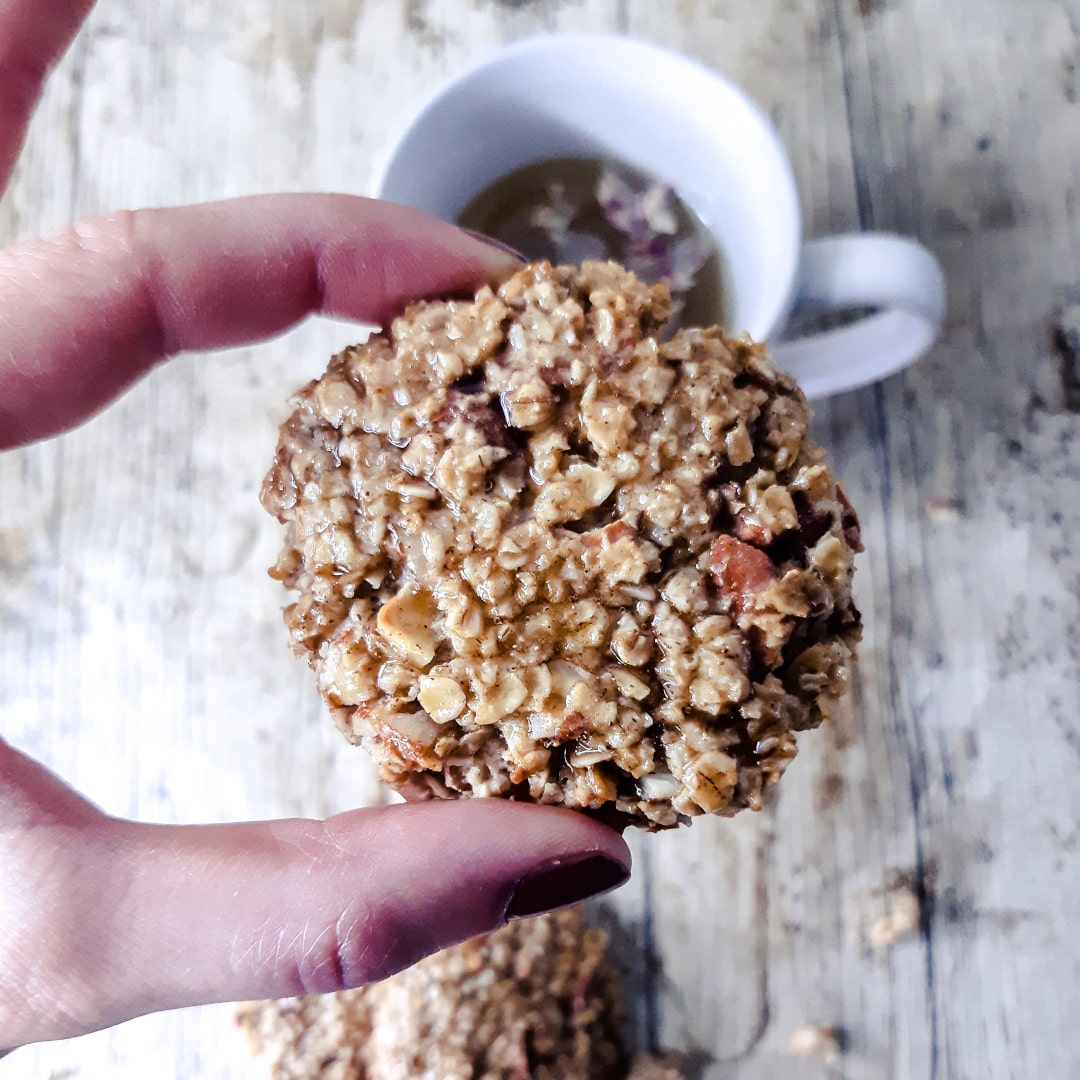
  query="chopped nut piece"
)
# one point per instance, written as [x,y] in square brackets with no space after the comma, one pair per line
[739,447]
[630,644]
[443,700]
[630,685]
[411,734]
[338,400]
[659,786]
[502,699]
[408,623]
[740,570]
[583,488]
[574,724]
[528,406]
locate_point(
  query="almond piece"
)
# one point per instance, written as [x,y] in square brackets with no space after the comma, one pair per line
[407,622]
[740,570]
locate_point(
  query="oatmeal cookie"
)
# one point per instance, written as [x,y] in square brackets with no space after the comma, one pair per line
[533,1000]
[542,553]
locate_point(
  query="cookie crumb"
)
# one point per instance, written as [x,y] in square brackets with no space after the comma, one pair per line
[815,1041]
[901,920]
[944,511]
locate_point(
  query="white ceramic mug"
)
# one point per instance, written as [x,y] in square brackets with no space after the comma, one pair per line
[666,115]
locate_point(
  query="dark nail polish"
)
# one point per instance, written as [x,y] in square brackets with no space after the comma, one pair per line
[565,882]
[492,242]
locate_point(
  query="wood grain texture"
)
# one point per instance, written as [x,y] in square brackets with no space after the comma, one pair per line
[132,552]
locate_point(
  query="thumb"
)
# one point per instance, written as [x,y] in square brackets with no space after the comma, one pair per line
[122,919]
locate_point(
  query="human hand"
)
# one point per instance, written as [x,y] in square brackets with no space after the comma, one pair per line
[103,919]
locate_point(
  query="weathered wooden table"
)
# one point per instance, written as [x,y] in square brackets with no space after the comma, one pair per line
[955,767]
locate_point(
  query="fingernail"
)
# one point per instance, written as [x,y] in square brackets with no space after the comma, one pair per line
[563,882]
[506,249]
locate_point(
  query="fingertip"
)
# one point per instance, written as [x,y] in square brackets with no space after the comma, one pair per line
[461,868]
[411,256]
[517,827]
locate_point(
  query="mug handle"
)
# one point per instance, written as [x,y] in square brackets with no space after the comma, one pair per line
[894,274]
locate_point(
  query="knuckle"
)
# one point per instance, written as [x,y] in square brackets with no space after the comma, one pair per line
[112,233]
[365,944]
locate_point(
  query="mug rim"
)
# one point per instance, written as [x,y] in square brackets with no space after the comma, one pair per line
[778,307]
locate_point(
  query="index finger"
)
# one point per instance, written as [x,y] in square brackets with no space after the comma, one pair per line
[85,312]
